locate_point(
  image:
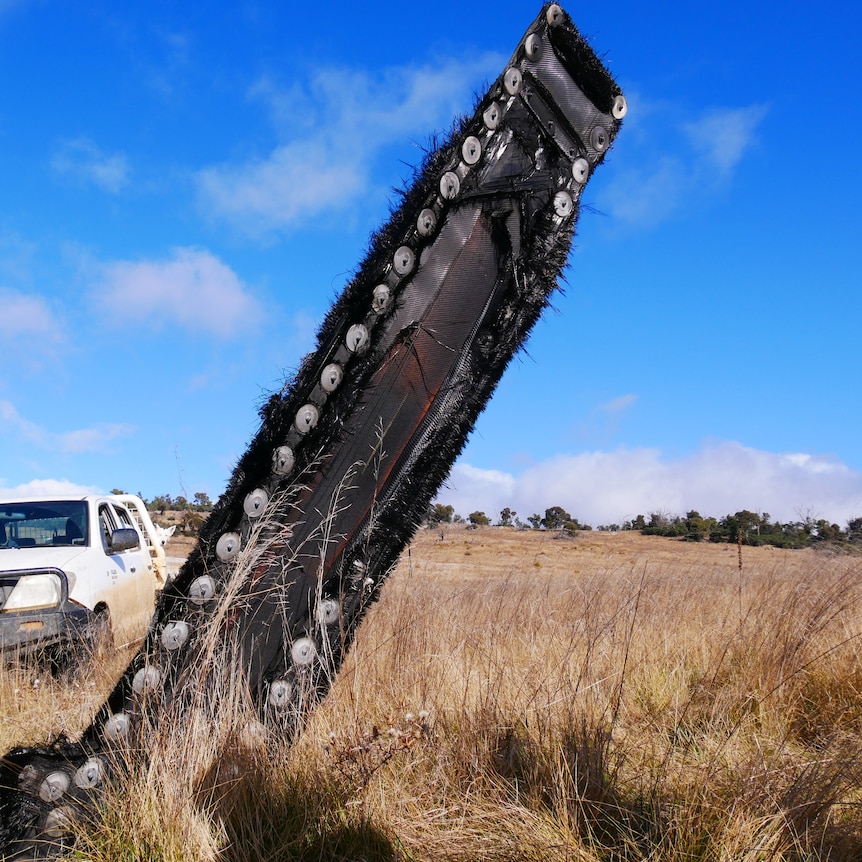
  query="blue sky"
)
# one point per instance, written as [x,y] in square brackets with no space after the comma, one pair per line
[184,189]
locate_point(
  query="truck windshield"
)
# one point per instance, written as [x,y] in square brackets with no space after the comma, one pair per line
[43,524]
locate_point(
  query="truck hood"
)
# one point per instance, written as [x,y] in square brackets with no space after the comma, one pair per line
[60,557]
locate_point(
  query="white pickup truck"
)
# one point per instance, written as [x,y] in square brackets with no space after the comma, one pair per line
[76,568]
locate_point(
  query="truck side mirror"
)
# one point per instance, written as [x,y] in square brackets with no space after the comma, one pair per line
[124,539]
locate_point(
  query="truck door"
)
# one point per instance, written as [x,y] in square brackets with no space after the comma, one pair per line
[129,584]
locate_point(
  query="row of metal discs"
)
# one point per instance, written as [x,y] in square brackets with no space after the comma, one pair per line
[203,589]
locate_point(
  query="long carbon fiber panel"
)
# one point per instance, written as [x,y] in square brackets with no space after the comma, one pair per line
[350,453]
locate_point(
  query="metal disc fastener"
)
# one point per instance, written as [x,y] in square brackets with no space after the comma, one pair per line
[54,786]
[357,338]
[201,590]
[255,503]
[331,377]
[306,418]
[89,775]
[280,692]
[450,185]
[147,679]
[404,260]
[620,108]
[599,139]
[563,204]
[533,47]
[492,116]
[471,150]
[580,170]
[116,726]
[427,222]
[381,299]
[554,15]
[58,822]
[227,547]
[175,634]
[303,652]
[283,460]
[512,81]
[328,612]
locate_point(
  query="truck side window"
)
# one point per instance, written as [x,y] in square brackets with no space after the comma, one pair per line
[124,519]
[106,526]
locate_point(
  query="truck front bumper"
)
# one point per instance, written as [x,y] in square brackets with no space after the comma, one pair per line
[31,629]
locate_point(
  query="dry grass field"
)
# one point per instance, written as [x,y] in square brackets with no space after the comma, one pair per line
[516,696]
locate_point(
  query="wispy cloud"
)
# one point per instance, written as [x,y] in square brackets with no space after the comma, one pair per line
[721,478]
[167,73]
[664,166]
[75,442]
[721,136]
[603,421]
[25,318]
[192,288]
[330,130]
[80,160]
[46,488]
[618,405]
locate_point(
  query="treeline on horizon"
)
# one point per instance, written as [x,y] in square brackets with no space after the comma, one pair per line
[161,503]
[743,527]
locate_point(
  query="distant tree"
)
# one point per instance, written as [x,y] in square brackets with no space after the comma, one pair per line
[506,517]
[202,502]
[191,522]
[535,520]
[117,491]
[181,504]
[639,523]
[439,514]
[826,532]
[555,517]
[478,519]
[854,530]
[696,526]
[160,503]
[741,526]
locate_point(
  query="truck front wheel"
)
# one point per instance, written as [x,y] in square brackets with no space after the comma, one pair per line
[98,633]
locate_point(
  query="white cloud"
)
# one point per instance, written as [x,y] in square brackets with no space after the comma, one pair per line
[656,174]
[331,130]
[723,136]
[192,288]
[46,488]
[93,439]
[618,405]
[610,487]
[27,317]
[81,160]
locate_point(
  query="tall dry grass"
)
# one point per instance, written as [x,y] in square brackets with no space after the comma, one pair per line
[515,697]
